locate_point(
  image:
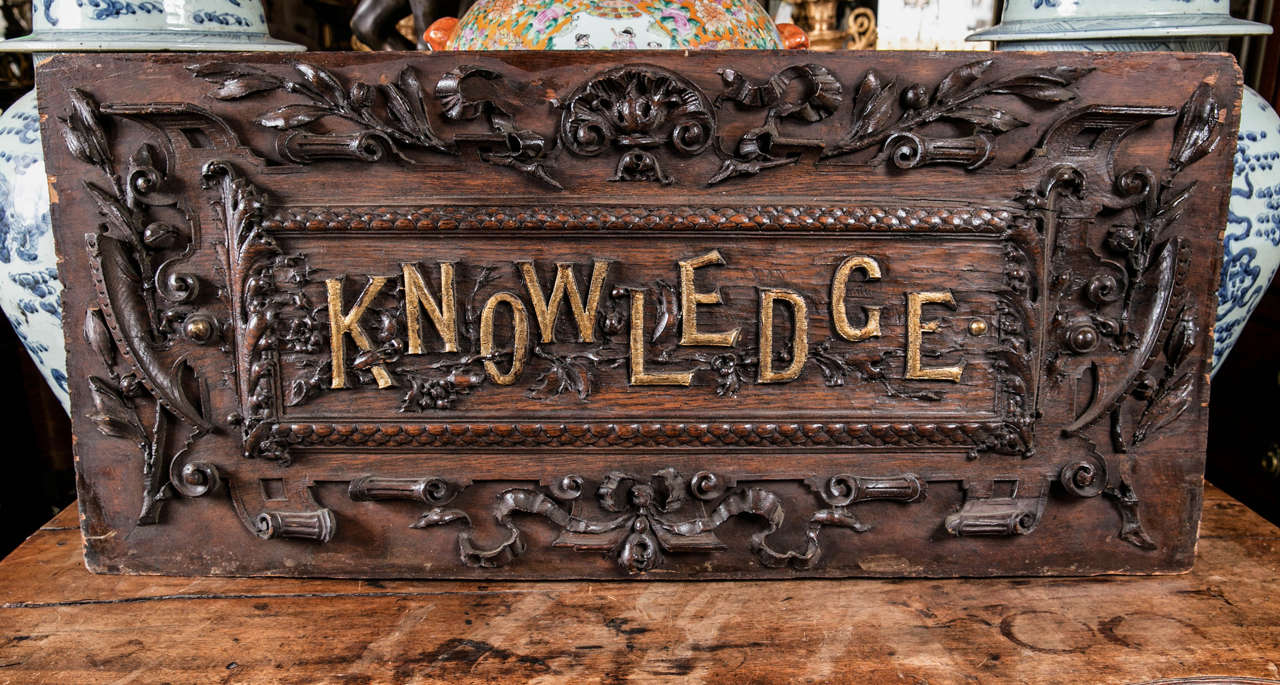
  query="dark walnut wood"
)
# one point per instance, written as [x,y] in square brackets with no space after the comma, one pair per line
[719,315]
[63,624]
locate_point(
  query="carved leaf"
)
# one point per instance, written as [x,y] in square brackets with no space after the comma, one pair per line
[292,116]
[113,417]
[873,105]
[122,222]
[987,118]
[1043,85]
[406,103]
[1182,339]
[245,85]
[323,82]
[98,336]
[1170,210]
[580,380]
[237,80]
[83,133]
[1195,134]
[955,83]
[1167,407]
[218,71]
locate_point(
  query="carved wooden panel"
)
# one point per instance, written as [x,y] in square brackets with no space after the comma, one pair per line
[724,314]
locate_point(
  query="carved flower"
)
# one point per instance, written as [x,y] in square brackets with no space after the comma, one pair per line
[613,322]
[724,364]
[1123,239]
[430,393]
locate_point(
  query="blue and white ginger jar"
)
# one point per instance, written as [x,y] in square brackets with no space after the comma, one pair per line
[1251,241]
[30,292]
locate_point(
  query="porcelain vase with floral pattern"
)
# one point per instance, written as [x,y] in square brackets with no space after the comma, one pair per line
[614,25]
[1251,240]
[30,292]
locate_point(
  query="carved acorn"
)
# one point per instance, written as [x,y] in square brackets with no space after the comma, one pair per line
[915,97]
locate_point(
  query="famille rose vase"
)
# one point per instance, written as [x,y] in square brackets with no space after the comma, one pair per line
[30,292]
[614,25]
[1251,239]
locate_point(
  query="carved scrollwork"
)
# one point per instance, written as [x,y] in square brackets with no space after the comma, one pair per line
[635,109]
[986,514]
[127,326]
[316,526]
[818,96]
[1132,304]
[431,491]
[647,517]
[506,144]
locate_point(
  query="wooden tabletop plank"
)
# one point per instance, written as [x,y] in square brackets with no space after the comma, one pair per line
[62,624]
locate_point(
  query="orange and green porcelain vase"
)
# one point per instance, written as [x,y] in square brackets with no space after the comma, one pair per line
[614,25]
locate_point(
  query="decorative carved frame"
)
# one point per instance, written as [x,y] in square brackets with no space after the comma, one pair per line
[1101,264]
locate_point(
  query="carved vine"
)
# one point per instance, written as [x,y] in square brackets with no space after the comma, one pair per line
[396,120]
[636,110]
[886,113]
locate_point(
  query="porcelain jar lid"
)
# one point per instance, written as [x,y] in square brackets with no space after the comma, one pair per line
[1025,20]
[147,25]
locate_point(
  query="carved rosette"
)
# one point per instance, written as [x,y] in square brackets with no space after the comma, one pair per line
[635,110]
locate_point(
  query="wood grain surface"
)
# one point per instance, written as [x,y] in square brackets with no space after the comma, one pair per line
[61,624]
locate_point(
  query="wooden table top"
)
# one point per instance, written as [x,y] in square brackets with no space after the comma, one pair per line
[61,624]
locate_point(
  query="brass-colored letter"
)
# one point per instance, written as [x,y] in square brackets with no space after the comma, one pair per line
[519,347]
[547,310]
[690,299]
[443,314]
[349,323]
[916,327]
[638,375]
[839,286]
[799,335]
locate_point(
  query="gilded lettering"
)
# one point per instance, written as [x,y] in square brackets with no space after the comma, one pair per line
[916,328]
[349,324]
[520,335]
[839,286]
[547,309]
[638,375]
[443,313]
[799,335]
[690,299]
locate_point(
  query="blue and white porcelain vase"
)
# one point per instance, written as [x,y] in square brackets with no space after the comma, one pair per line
[30,292]
[1251,242]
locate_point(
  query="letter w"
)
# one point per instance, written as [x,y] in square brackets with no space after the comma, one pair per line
[547,309]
